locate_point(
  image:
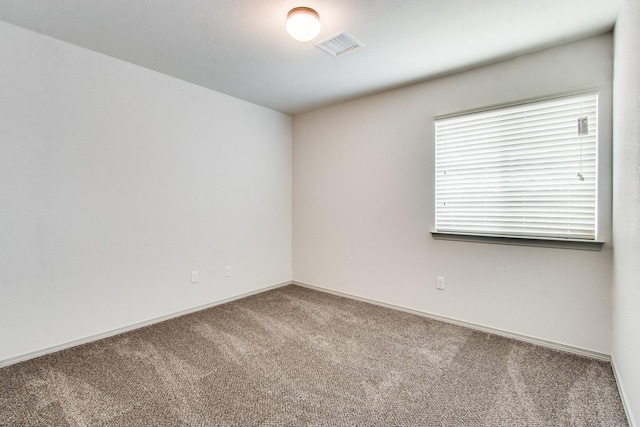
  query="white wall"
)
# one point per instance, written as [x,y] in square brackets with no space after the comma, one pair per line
[363,206]
[116,182]
[626,206]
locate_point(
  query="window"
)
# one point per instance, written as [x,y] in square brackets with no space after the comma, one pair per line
[521,171]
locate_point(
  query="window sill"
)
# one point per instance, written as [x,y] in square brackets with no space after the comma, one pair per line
[585,245]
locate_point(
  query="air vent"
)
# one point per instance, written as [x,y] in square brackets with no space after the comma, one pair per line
[340,44]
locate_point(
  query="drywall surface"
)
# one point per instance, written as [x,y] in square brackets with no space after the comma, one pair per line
[116,182]
[626,206]
[363,175]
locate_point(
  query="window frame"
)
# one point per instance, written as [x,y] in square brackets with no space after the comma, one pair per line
[526,240]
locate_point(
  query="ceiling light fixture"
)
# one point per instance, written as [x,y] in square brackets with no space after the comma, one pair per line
[303,23]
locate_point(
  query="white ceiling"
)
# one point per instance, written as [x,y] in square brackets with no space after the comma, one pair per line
[241,48]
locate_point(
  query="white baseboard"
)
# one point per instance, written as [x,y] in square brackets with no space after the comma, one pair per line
[533,340]
[487,329]
[91,338]
[623,397]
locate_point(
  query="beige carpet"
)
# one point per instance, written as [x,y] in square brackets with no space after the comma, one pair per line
[295,357]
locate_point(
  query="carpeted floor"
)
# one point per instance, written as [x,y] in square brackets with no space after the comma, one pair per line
[295,357]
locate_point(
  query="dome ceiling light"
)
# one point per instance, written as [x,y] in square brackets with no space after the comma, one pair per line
[303,23]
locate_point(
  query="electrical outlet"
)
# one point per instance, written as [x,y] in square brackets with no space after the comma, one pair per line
[194,277]
[227,271]
[440,283]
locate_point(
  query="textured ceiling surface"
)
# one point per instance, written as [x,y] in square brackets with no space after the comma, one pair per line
[241,48]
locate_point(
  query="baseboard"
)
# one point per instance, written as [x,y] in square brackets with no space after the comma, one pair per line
[544,343]
[532,340]
[96,337]
[623,397]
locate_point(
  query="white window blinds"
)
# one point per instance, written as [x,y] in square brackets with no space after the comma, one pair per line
[527,170]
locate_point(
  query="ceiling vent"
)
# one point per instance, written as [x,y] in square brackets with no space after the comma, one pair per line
[340,44]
